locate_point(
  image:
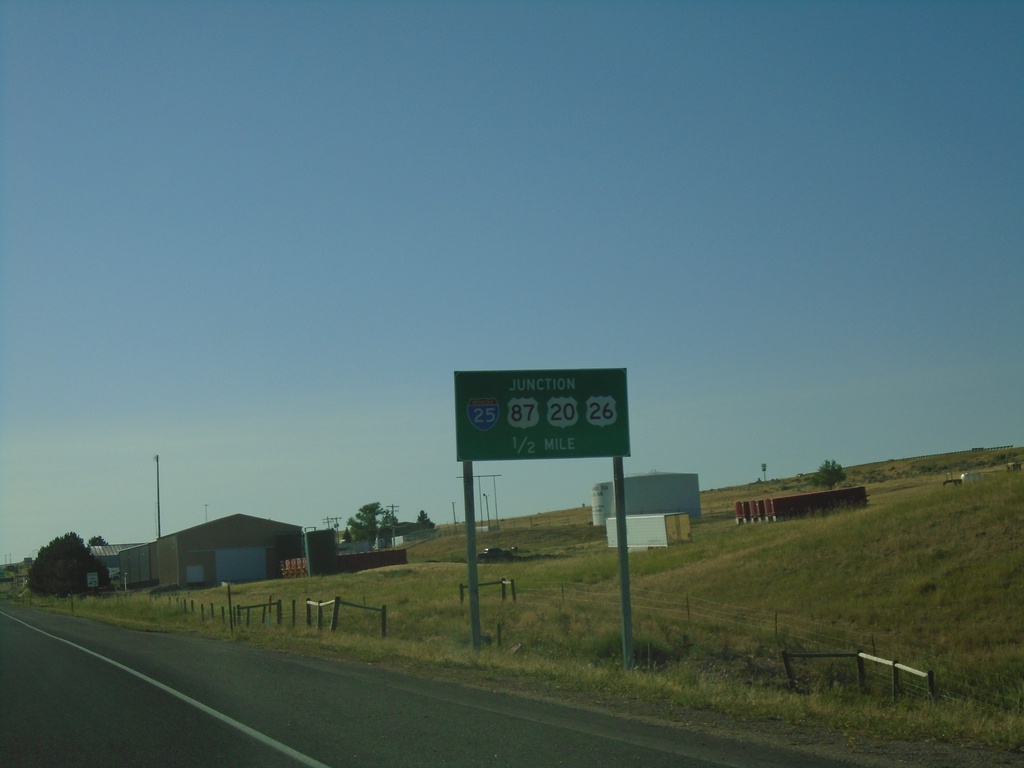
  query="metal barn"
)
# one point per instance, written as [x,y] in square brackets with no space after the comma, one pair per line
[233,548]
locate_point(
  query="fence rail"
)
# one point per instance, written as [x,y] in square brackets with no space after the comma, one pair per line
[336,604]
[861,657]
[503,583]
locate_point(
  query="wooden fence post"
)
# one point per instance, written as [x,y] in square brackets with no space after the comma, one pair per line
[334,618]
[383,621]
[789,669]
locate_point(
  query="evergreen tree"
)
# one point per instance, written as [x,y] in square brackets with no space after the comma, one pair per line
[364,525]
[61,566]
[388,521]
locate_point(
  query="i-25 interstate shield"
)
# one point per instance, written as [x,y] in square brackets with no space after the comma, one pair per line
[484,412]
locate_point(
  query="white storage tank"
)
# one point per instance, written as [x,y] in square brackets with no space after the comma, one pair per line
[602,502]
[654,493]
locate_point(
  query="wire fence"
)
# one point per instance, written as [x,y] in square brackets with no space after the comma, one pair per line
[955,681]
[575,518]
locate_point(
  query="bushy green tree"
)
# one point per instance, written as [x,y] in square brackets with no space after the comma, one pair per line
[61,566]
[829,474]
[98,541]
[424,519]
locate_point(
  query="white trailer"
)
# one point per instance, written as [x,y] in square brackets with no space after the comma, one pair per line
[646,531]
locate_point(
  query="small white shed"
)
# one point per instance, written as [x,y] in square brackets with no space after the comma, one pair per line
[645,531]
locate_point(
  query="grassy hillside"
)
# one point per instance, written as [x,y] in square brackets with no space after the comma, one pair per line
[929,574]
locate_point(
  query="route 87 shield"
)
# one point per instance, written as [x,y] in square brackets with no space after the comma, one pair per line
[484,412]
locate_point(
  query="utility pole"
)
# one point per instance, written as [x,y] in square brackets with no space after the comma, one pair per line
[494,494]
[393,509]
[494,487]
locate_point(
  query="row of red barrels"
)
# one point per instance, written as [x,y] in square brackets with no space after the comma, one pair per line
[799,505]
[293,568]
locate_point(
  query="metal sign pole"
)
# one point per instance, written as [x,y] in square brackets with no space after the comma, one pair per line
[620,529]
[474,589]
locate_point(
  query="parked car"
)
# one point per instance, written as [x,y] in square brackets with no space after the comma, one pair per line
[496,553]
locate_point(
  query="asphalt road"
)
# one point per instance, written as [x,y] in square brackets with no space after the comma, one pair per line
[79,693]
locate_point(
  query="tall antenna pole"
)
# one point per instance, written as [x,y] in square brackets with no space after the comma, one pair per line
[157,460]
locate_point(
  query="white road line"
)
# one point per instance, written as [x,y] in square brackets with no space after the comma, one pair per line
[251,732]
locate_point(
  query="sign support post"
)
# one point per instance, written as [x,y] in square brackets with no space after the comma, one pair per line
[474,588]
[619,480]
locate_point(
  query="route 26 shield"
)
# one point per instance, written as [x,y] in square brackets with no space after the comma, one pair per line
[484,412]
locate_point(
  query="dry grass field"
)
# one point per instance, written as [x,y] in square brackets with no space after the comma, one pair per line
[927,573]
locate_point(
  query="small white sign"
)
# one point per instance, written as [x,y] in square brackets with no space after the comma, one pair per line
[92,579]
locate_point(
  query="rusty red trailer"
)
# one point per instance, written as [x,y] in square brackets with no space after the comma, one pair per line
[800,504]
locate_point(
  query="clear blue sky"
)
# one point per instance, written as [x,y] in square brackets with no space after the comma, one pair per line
[258,238]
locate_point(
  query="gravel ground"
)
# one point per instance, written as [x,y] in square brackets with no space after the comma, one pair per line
[858,751]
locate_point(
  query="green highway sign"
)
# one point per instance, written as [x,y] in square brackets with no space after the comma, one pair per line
[546,414]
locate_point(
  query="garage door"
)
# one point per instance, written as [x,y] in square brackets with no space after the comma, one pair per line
[242,564]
